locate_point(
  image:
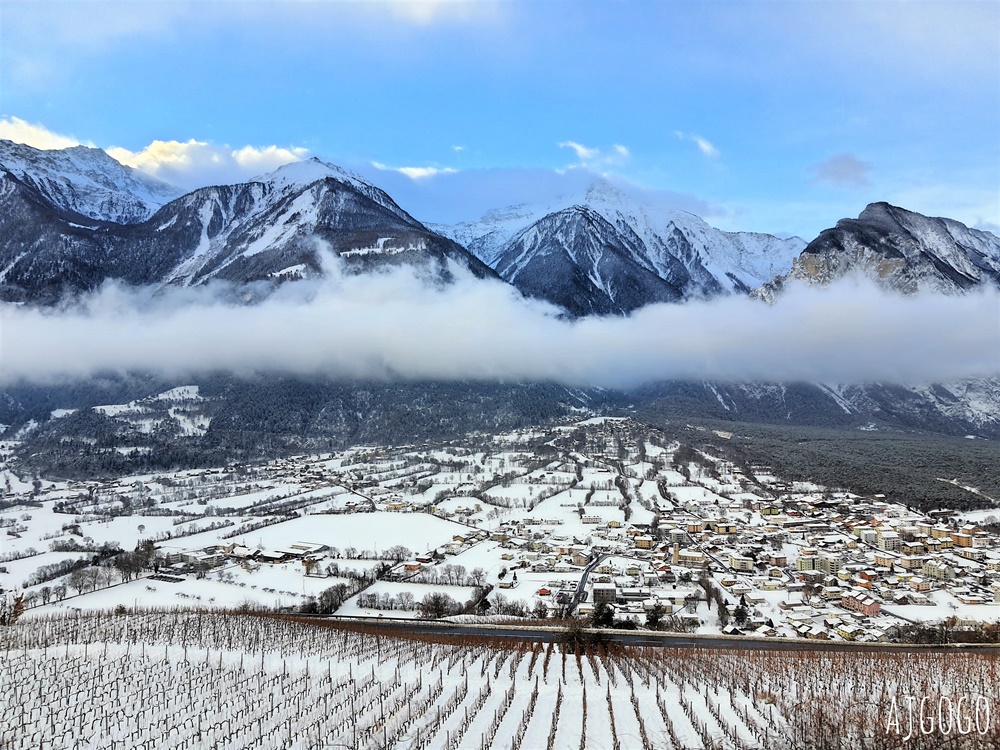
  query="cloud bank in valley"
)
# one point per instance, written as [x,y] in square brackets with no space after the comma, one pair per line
[395,326]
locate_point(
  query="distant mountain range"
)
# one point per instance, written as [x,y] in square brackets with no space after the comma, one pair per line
[606,253]
[136,423]
[72,219]
[85,181]
[56,238]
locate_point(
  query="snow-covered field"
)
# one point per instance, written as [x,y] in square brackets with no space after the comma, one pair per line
[223,681]
[365,531]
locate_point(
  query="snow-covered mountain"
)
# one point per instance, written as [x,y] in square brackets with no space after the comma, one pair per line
[270,229]
[87,181]
[901,250]
[145,424]
[607,252]
[71,219]
[577,260]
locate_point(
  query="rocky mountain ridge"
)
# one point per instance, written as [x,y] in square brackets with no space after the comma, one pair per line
[902,251]
[72,218]
[87,181]
[268,230]
[607,252]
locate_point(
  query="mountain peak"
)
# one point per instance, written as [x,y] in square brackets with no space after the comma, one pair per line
[303,173]
[885,215]
[87,181]
[299,175]
[675,245]
[93,153]
[904,251]
[602,191]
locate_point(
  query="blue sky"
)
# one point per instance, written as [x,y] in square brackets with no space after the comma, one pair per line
[768,116]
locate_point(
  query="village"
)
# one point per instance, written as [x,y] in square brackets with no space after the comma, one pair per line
[602,519]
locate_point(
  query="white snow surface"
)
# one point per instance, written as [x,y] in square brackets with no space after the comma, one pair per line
[181,393]
[301,211]
[302,174]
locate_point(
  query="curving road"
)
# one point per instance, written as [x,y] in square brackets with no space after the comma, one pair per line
[591,566]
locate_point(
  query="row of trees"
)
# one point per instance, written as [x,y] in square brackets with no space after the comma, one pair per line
[107,565]
[397,553]
[437,604]
[334,570]
[404,600]
[331,599]
[451,575]
[433,605]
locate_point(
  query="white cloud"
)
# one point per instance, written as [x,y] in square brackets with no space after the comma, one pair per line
[198,163]
[582,152]
[704,145]
[34,135]
[597,159]
[190,164]
[468,194]
[162,154]
[268,158]
[400,327]
[425,12]
[415,173]
[842,170]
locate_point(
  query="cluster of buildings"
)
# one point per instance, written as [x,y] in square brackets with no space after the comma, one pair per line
[718,548]
[802,562]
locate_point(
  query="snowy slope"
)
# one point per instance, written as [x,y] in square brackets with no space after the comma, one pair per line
[180,411]
[87,181]
[302,174]
[579,261]
[271,229]
[263,228]
[737,261]
[684,253]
